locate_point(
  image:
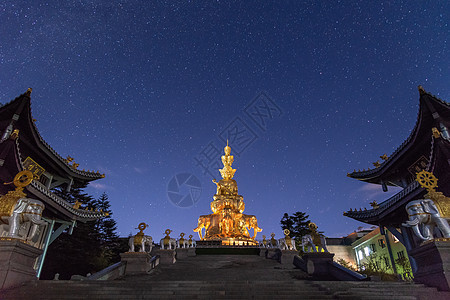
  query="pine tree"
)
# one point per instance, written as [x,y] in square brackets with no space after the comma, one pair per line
[297,224]
[91,247]
[109,240]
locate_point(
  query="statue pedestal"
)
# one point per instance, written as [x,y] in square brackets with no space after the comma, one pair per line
[317,263]
[433,264]
[182,253]
[262,252]
[287,257]
[137,262]
[16,262]
[272,253]
[191,252]
[166,256]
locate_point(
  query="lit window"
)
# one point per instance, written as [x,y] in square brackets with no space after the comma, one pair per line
[366,251]
[360,254]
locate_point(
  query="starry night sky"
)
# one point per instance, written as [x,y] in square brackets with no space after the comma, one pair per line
[141,89]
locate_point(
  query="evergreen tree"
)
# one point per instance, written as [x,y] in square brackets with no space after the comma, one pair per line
[297,224]
[109,240]
[91,247]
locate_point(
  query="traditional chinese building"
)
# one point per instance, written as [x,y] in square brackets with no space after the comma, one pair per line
[31,215]
[227,225]
[418,162]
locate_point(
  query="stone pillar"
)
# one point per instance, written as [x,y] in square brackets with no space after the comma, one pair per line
[287,257]
[137,262]
[166,256]
[16,262]
[317,263]
[433,263]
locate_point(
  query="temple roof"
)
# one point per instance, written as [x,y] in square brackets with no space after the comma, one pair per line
[391,211]
[432,111]
[19,110]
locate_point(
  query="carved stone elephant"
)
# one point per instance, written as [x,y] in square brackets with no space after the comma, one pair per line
[310,242]
[192,243]
[286,245]
[182,242]
[140,240]
[424,217]
[170,243]
[25,210]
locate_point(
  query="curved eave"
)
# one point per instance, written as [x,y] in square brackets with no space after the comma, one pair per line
[57,203]
[62,205]
[372,174]
[47,149]
[373,215]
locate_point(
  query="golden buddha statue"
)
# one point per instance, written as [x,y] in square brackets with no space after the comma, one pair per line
[227,223]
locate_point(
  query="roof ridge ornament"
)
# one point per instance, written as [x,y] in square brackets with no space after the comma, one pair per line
[421,90]
[436,133]
[28,92]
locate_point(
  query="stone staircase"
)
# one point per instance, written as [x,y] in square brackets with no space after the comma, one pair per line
[167,290]
[380,290]
[222,277]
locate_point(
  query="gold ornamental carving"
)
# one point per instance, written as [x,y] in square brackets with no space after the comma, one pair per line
[8,201]
[428,181]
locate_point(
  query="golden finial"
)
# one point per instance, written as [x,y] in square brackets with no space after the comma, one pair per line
[142,226]
[227,171]
[421,90]
[69,159]
[103,176]
[436,133]
[75,165]
[376,164]
[29,90]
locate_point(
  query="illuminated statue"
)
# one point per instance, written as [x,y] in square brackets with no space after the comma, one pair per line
[227,223]
[433,211]
[16,211]
[140,239]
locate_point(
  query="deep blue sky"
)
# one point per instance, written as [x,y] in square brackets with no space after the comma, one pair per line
[137,89]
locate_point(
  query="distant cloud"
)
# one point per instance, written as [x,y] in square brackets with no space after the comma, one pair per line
[99,186]
[140,170]
[371,191]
